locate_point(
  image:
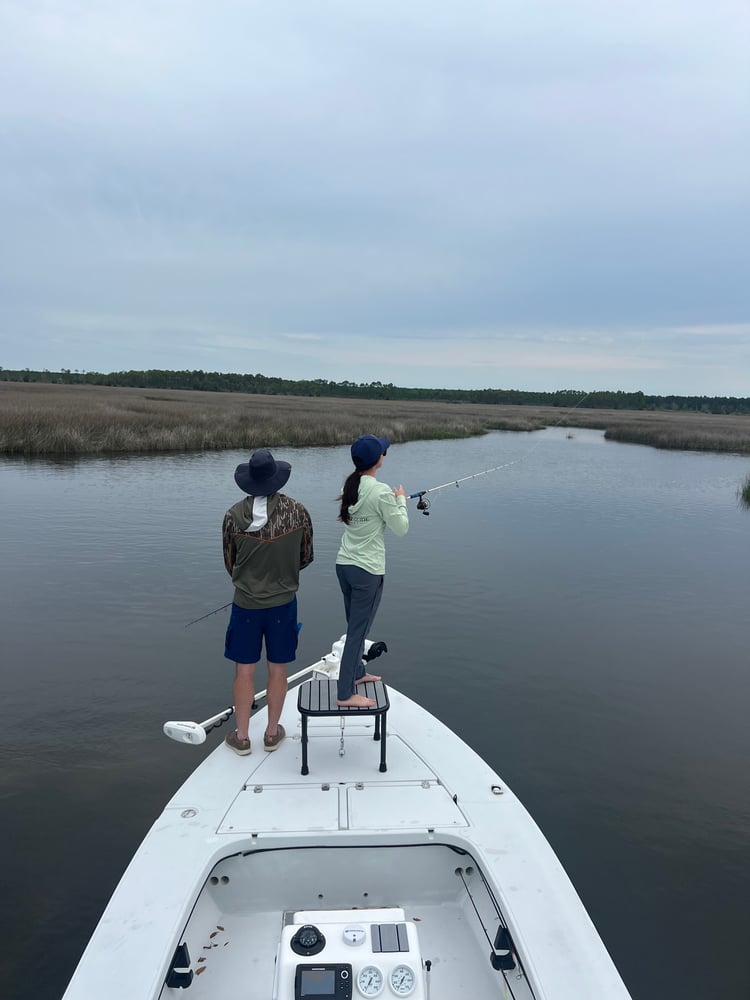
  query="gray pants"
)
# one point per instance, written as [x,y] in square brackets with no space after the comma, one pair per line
[362,592]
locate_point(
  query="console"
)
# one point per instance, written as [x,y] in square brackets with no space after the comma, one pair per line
[348,955]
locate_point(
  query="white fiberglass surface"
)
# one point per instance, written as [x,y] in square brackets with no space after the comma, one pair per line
[234,932]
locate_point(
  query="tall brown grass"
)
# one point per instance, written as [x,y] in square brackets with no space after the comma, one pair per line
[37,419]
[44,419]
[725,434]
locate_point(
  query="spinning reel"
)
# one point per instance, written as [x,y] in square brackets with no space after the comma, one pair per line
[423,503]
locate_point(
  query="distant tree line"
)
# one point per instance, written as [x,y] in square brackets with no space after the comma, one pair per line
[270,385]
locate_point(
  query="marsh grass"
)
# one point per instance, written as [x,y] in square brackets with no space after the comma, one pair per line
[45,419]
[686,432]
[38,419]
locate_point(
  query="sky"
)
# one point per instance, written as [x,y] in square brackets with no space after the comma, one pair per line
[522,194]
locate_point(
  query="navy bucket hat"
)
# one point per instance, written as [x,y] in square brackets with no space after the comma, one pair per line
[367,449]
[262,475]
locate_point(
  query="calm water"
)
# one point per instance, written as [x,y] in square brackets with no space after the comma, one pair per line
[581,616]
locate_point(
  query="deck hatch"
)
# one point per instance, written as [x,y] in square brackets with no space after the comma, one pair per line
[408,805]
[282,808]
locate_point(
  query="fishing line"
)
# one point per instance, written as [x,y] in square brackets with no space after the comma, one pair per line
[424,504]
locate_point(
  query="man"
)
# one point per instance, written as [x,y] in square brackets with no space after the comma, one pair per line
[268,539]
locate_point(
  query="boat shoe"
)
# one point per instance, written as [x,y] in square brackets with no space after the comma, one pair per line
[239,746]
[272,742]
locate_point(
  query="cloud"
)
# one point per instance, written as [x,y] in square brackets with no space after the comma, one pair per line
[368,174]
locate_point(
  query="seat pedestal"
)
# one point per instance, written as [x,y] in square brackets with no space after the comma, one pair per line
[317,698]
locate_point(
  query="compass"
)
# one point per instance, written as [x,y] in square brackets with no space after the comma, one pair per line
[308,941]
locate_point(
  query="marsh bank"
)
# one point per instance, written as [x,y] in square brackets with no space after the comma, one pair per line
[49,419]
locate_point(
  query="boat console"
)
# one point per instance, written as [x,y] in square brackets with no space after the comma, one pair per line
[347,954]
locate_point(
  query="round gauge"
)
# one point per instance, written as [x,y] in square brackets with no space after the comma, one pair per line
[403,980]
[370,981]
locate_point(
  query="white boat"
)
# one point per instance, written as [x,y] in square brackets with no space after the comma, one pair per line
[427,880]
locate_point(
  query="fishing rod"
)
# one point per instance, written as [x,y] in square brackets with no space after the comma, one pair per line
[424,505]
[214,612]
[421,495]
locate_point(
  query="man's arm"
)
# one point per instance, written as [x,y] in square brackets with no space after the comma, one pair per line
[227,538]
[306,544]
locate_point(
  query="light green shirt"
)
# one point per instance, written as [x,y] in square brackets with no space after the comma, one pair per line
[376,509]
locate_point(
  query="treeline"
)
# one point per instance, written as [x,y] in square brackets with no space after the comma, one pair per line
[269,385]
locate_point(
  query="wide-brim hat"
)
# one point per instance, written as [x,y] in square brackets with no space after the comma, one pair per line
[262,475]
[367,449]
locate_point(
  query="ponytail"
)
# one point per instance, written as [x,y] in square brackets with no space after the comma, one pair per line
[349,495]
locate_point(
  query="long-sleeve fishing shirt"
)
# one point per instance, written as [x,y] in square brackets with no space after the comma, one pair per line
[265,564]
[376,509]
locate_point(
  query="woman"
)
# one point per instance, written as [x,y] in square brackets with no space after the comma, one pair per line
[367,508]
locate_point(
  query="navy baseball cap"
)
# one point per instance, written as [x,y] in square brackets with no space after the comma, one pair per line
[367,449]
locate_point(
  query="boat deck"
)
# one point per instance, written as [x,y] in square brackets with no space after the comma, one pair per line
[249,850]
[248,896]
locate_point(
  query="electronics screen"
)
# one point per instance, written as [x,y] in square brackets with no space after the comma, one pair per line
[317,982]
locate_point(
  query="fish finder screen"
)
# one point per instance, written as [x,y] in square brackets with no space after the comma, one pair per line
[318,983]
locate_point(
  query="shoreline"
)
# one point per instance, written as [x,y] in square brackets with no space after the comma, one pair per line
[42,420]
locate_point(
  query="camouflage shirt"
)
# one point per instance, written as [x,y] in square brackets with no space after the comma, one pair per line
[265,564]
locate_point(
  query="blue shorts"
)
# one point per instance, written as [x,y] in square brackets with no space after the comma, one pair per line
[248,628]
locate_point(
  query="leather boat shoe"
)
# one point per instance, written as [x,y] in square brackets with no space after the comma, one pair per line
[242,747]
[271,743]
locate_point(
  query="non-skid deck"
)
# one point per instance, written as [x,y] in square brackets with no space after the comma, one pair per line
[343,799]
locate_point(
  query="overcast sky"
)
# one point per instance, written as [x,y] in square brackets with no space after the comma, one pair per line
[528,194]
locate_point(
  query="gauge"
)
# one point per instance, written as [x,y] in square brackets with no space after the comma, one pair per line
[370,981]
[402,980]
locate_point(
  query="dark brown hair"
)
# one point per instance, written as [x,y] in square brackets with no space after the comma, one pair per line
[349,495]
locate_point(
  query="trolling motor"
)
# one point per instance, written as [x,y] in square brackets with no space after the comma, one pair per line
[376,649]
